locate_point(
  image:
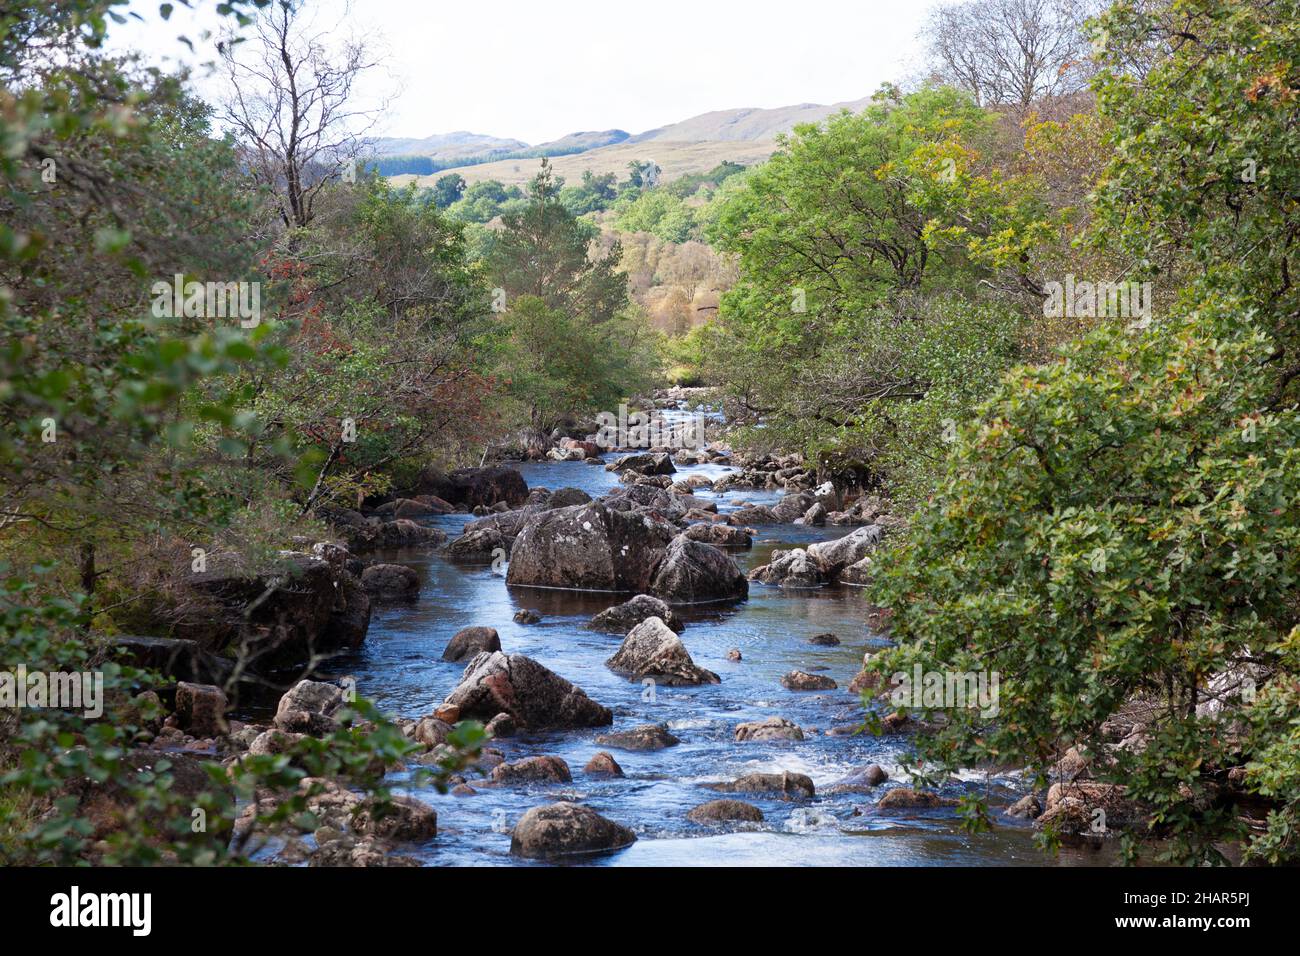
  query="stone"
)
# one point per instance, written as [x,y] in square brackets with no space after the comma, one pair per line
[721,811]
[471,641]
[908,798]
[622,618]
[533,770]
[1026,808]
[795,786]
[309,707]
[533,696]
[201,709]
[692,572]
[563,829]
[652,650]
[824,640]
[720,535]
[800,680]
[641,737]
[527,616]
[863,780]
[603,763]
[771,728]
[391,581]
[591,547]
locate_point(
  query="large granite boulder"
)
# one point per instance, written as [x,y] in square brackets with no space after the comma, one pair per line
[652,650]
[692,572]
[588,547]
[531,695]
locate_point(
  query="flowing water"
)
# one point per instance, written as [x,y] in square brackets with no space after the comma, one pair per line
[400,668]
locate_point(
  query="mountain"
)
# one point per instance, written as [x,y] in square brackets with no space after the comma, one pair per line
[446,146]
[694,145]
[746,124]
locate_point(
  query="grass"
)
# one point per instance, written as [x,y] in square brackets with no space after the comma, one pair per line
[674,158]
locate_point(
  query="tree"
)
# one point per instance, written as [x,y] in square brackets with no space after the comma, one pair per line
[448,189]
[542,250]
[1013,53]
[291,103]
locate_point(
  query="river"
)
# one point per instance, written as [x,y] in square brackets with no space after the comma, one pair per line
[400,668]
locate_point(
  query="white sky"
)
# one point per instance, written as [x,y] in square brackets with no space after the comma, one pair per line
[533,71]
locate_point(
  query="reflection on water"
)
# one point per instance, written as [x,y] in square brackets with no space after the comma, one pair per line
[400,668]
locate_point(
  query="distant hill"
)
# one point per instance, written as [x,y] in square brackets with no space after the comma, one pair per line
[460,145]
[674,159]
[694,145]
[746,124]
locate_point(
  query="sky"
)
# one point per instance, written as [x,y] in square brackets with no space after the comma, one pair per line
[537,71]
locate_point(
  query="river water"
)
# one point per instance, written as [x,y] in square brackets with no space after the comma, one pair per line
[400,668]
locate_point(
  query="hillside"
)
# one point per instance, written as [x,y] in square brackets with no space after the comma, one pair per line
[674,159]
[459,145]
[745,124]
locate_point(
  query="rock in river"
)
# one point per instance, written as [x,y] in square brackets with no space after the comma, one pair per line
[641,737]
[530,694]
[720,811]
[469,641]
[693,573]
[653,650]
[789,785]
[621,618]
[567,828]
[801,680]
[588,547]
[773,728]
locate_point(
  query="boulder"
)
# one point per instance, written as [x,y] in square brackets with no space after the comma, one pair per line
[834,556]
[645,463]
[908,798]
[789,569]
[603,764]
[1026,808]
[621,618]
[531,696]
[693,573]
[527,616]
[721,811]
[719,535]
[857,574]
[479,545]
[652,650]
[307,608]
[201,709]
[824,640]
[588,547]
[801,680]
[771,728]
[470,641]
[793,506]
[309,708]
[863,780]
[795,786]
[641,737]
[815,516]
[562,829]
[391,581]
[567,498]
[473,487]
[532,770]
[752,514]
